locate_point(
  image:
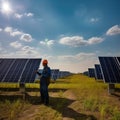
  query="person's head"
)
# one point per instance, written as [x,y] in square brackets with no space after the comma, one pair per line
[45,62]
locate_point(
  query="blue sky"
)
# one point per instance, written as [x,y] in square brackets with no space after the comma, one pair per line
[71,34]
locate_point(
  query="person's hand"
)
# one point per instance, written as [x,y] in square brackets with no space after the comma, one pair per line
[36,71]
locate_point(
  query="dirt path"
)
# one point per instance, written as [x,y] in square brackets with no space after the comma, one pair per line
[30,113]
[34,110]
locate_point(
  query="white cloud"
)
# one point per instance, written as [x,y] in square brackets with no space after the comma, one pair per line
[94,20]
[19,16]
[28,51]
[67,58]
[29,14]
[47,42]
[83,55]
[0,47]
[26,37]
[15,33]
[22,52]
[77,41]
[95,40]
[16,44]
[50,42]
[113,30]
[75,63]
[80,56]
[8,29]
[42,43]
[12,32]
[73,41]
[0,29]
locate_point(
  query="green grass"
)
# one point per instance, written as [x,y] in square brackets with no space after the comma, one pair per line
[9,85]
[92,100]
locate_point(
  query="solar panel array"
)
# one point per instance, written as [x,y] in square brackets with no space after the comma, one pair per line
[64,74]
[91,72]
[85,73]
[111,69]
[98,72]
[18,70]
[54,74]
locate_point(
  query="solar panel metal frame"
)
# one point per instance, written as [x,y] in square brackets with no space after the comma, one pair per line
[110,69]
[18,69]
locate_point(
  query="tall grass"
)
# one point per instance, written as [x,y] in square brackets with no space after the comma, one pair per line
[90,103]
[116,114]
[11,110]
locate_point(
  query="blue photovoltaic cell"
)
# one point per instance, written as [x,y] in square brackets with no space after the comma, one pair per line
[111,69]
[98,73]
[54,74]
[85,73]
[63,74]
[91,72]
[18,70]
[29,73]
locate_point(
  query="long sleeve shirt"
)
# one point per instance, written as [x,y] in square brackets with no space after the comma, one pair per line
[46,74]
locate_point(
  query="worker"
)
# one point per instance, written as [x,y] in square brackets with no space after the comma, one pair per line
[44,82]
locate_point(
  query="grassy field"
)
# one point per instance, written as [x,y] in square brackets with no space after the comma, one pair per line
[76,97]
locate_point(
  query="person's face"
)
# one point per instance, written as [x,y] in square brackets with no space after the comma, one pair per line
[44,64]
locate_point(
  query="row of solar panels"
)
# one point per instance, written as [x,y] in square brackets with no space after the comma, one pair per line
[108,70]
[23,70]
[56,73]
[18,70]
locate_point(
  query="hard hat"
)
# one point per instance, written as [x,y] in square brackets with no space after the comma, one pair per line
[45,61]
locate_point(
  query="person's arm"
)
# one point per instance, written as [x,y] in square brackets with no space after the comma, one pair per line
[38,73]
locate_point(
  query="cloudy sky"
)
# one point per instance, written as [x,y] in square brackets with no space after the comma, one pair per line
[71,34]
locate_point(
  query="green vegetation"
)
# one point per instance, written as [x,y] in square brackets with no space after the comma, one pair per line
[9,110]
[76,97]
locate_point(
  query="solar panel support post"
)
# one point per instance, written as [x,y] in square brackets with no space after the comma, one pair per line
[111,88]
[22,89]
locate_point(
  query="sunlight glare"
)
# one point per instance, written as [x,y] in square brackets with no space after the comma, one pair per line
[6,8]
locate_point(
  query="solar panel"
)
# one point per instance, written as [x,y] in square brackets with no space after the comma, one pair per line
[91,72]
[118,60]
[85,73]
[54,74]
[111,69]
[98,73]
[18,70]
[63,74]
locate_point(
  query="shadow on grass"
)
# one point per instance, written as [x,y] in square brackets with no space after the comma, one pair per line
[116,93]
[57,103]
[11,98]
[117,90]
[62,106]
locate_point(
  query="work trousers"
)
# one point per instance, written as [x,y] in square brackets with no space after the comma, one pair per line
[44,92]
